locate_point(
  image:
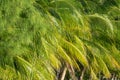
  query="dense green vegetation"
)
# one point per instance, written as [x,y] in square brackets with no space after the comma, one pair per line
[59,39]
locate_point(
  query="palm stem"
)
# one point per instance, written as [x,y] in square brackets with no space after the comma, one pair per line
[82,74]
[71,72]
[63,74]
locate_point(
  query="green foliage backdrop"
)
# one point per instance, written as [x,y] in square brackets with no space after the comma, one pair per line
[59,39]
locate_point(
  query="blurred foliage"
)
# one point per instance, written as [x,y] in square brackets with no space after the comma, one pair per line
[59,39]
